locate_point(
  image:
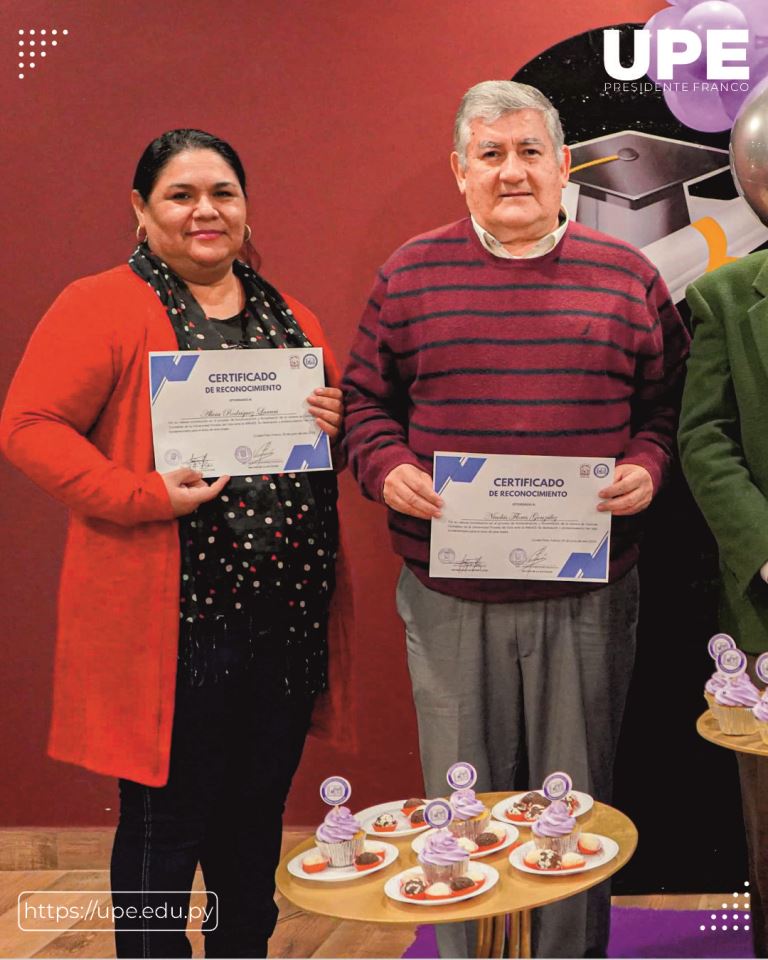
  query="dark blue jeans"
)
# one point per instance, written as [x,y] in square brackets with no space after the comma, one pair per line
[235,748]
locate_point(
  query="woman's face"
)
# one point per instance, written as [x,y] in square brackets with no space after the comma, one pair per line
[195,215]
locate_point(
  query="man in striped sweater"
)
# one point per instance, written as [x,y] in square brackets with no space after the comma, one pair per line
[516,331]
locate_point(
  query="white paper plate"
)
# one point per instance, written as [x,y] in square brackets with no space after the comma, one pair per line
[404,828]
[392,887]
[609,851]
[336,874]
[499,809]
[417,844]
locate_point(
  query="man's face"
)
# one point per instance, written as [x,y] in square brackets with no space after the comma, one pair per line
[513,180]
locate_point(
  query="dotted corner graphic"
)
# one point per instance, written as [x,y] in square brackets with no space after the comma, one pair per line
[34,45]
[741,918]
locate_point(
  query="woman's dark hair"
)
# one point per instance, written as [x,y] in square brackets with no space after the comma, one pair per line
[168,144]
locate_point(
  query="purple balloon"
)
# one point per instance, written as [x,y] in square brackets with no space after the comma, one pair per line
[756,12]
[733,100]
[668,19]
[699,110]
[711,15]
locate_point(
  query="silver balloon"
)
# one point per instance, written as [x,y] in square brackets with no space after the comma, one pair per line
[749,151]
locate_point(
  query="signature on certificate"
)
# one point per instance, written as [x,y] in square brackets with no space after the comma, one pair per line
[535,560]
[470,565]
[199,462]
[262,454]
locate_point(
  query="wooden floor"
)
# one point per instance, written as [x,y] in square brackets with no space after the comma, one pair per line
[297,935]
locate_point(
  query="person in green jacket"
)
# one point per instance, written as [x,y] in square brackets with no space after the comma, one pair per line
[724,450]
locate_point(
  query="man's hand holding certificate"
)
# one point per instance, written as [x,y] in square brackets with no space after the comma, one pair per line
[237,412]
[515,517]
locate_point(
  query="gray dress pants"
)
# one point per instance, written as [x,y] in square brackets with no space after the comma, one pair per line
[550,675]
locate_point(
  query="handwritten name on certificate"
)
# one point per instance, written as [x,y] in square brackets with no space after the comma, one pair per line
[237,412]
[521,518]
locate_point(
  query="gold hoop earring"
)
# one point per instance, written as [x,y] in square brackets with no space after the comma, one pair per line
[139,238]
[248,234]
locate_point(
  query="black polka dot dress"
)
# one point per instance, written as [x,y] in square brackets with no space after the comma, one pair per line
[257,563]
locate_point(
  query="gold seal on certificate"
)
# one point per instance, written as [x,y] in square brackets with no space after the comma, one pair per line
[520,518]
[237,412]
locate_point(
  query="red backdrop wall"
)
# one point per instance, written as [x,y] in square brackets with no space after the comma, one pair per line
[342,112]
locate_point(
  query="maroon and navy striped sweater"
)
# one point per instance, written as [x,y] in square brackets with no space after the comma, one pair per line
[579,352]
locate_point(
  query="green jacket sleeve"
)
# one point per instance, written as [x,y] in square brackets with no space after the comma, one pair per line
[711,451]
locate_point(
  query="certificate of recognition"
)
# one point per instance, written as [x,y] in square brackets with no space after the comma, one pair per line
[521,518]
[237,412]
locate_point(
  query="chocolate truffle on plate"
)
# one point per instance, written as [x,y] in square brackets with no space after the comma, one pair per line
[368,859]
[414,886]
[459,884]
[438,890]
[385,823]
[542,859]
[572,860]
[590,844]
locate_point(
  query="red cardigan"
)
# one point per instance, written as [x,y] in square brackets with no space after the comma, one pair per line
[77,421]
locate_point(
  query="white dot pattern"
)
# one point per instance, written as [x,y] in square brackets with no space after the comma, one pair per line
[739,917]
[33,32]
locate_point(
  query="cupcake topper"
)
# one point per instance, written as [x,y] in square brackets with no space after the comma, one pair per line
[461,775]
[761,667]
[732,662]
[557,785]
[335,790]
[720,642]
[438,813]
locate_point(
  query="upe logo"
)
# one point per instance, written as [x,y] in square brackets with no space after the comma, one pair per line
[679,48]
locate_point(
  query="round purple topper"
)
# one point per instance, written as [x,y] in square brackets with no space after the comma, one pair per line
[335,791]
[761,667]
[720,642]
[557,785]
[438,813]
[732,662]
[461,775]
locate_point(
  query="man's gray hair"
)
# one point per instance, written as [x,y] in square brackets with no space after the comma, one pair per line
[491,99]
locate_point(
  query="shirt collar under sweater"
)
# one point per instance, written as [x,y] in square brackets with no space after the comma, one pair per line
[547,243]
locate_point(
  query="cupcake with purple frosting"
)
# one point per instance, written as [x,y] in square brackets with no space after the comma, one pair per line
[716,682]
[556,829]
[760,713]
[340,837]
[442,858]
[470,815]
[733,706]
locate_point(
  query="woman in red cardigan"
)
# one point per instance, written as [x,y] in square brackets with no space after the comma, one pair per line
[193,616]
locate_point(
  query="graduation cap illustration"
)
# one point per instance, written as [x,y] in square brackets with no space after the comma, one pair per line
[667,198]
